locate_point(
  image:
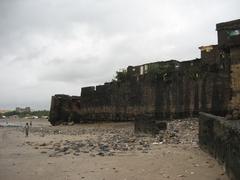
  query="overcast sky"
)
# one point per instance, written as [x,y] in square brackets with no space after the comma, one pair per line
[52,47]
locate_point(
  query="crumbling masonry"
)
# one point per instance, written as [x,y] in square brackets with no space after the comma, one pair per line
[164,90]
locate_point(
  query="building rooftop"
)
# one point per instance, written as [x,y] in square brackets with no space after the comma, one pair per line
[228,25]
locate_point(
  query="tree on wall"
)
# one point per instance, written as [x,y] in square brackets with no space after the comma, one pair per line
[121,76]
[160,71]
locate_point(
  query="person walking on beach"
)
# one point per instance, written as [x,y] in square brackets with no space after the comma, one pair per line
[26,129]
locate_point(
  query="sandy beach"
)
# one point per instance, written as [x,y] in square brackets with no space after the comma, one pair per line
[103,151]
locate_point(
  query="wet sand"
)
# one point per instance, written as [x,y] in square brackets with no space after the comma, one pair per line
[27,158]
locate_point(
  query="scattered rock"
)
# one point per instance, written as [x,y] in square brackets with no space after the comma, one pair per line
[43,144]
[109,141]
[181,175]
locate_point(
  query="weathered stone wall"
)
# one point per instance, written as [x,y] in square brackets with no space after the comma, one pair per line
[118,101]
[64,108]
[168,90]
[229,43]
[221,138]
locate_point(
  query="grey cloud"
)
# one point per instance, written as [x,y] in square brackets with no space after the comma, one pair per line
[58,46]
[73,71]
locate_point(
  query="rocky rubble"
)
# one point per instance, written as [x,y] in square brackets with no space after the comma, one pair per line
[182,131]
[109,141]
[106,146]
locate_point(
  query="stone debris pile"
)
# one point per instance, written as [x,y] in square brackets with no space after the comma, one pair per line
[107,146]
[182,131]
[108,142]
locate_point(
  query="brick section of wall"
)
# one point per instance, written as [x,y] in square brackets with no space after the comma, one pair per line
[235,77]
[221,138]
[235,84]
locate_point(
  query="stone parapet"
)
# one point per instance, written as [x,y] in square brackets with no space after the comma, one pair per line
[221,138]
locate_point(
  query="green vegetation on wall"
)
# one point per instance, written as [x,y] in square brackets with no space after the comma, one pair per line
[121,76]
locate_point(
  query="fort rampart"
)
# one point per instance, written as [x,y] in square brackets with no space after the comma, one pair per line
[163,90]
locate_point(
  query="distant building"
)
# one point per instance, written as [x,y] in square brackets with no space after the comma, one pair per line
[21,110]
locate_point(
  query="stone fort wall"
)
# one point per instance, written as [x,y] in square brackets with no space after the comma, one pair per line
[163,90]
